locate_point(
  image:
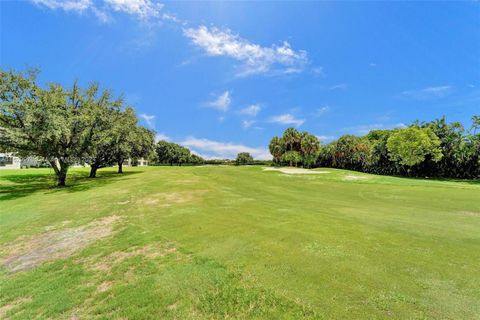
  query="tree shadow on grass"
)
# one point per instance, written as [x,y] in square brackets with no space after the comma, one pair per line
[22,185]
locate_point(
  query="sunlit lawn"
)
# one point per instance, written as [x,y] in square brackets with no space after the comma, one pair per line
[237,242]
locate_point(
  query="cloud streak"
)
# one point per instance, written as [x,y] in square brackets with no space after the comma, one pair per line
[140,9]
[287,119]
[251,110]
[222,102]
[254,58]
[428,93]
[149,119]
[224,150]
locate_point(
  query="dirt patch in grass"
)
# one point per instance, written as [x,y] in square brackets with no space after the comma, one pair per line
[294,170]
[167,199]
[104,286]
[26,253]
[4,309]
[470,213]
[104,264]
[354,178]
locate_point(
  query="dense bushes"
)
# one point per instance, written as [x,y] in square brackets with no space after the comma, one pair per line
[435,148]
[174,154]
[244,158]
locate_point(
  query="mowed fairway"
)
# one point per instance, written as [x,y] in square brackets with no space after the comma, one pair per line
[238,243]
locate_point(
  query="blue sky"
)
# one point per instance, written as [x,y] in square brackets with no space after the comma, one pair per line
[224,77]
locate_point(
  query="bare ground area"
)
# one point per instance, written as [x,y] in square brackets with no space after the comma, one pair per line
[26,253]
[294,170]
[354,178]
[167,199]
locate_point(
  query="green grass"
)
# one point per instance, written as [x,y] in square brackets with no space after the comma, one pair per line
[242,243]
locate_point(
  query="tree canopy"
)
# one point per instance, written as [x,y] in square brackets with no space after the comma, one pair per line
[67,126]
[175,154]
[244,158]
[295,148]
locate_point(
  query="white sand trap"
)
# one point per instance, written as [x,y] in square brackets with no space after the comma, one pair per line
[353,178]
[288,170]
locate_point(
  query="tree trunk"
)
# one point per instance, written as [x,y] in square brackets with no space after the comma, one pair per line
[120,166]
[93,170]
[61,169]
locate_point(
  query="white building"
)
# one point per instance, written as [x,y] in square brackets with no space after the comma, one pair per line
[139,162]
[9,161]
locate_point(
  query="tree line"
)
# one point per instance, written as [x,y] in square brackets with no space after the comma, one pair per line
[169,153]
[68,126]
[423,149]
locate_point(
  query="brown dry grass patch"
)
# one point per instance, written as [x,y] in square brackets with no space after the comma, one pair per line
[25,253]
[106,263]
[167,199]
[12,305]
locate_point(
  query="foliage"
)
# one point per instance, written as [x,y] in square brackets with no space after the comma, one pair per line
[67,127]
[436,148]
[292,158]
[244,158]
[175,154]
[410,146]
[294,148]
[276,149]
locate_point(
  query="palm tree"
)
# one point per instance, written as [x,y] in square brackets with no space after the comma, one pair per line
[291,138]
[276,148]
[310,146]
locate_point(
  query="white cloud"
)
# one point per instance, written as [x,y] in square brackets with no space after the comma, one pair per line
[288,119]
[319,72]
[322,110]
[149,119]
[251,110]
[255,58]
[326,139]
[341,86]
[222,102]
[102,15]
[428,93]
[140,9]
[161,136]
[247,123]
[223,150]
[67,5]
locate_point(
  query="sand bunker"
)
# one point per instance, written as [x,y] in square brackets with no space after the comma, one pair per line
[288,170]
[27,252]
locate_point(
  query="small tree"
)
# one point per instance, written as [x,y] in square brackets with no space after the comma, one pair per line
[411,145]
[292,158]
[244,158]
